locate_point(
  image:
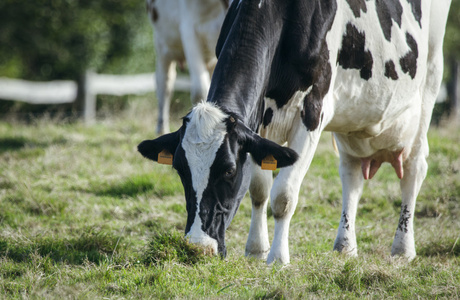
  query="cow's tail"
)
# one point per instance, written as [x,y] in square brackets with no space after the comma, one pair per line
[334,145]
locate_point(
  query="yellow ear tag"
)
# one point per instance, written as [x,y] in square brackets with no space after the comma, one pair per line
[269,163]
[165,158]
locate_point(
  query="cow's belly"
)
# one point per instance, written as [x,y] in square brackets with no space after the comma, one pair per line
[368,108]
[375,115]
[393,136]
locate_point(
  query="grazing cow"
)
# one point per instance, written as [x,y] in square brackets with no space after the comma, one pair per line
[369,71]
[184,30]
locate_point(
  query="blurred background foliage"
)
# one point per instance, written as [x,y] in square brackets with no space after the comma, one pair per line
[452,38]
[60,39]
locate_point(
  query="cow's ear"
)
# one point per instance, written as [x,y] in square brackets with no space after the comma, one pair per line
[261,149]
[151,148]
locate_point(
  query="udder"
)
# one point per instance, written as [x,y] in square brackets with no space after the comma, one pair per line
[371,164]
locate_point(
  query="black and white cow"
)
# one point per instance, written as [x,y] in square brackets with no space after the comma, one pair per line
[287,70]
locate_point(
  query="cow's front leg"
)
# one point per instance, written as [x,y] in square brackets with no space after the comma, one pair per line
[259,189]
[352,188]
[285,191]
[415,170]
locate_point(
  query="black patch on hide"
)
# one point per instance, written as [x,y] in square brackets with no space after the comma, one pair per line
[416,6]
[409,61]
[311,113]
[353,55]
[357,6]
[268,117]
[388,11]
[390,70]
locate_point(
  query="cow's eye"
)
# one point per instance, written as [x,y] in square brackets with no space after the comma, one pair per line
[230,172]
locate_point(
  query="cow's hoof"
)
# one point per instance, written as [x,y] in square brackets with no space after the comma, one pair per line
[346,249]
[278,259]
[258,255]
[403,246]
[407,254]
[348,253]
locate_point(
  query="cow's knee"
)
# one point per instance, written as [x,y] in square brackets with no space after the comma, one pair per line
[283,205]
[259,188]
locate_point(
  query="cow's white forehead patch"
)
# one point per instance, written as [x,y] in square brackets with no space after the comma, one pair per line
[204,135]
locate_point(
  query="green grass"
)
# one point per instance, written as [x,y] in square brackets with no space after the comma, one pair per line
[83,215]
[172,246]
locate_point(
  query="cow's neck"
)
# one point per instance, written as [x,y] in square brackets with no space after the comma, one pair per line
[241,75]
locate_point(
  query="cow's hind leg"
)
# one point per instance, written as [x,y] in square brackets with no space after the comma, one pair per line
[352,188]
[415,167]
[259,189]
[165,75]
[199,75]
[285,191]
[415,170]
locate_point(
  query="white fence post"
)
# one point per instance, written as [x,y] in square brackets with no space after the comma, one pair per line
[89,98]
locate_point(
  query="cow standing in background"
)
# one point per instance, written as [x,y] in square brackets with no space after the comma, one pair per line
[184,30]
[367,70]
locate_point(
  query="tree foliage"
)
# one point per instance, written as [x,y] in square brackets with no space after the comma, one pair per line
[452,37]
[60,39]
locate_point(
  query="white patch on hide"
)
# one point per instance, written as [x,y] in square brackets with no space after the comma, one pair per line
[281,124]
[203,137]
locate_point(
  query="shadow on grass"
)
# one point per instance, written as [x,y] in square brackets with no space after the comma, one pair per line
[92,246]
[8,144]
[129,188]
[12,144]
[354,278]
[159,184]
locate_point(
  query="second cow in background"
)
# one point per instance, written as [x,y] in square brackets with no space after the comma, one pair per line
[184,30]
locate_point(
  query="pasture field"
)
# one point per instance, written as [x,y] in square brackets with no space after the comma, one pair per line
[80,211]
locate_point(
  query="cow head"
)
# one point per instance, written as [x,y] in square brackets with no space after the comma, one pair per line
[210,153]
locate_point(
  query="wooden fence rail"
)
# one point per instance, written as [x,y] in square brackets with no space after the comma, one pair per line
[52,92]
[93,84]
